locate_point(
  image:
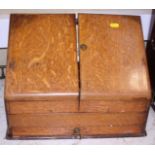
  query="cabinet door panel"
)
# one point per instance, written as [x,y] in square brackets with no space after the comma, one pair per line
[42,62]
[112,58]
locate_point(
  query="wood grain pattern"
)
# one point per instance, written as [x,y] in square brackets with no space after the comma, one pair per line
[114,106]
[72,120]
[34,107]
[113,66]
[42,59]
[64,124]
[67,132]
[43,90]
[42,107]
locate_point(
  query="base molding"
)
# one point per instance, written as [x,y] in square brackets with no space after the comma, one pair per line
[11,137]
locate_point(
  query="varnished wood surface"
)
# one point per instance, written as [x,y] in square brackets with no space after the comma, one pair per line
[114,106]
[67,132]
[42,87]
[74,119]
[113,65]
[42,58]
[64,124]
[42,107]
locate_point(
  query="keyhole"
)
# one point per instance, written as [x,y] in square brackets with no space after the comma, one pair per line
[83,46]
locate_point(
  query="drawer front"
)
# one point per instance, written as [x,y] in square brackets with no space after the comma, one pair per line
[68,132]
[66,124]
[33,107]
[113,106]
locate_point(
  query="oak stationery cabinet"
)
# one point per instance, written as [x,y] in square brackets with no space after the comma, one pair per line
[48,93]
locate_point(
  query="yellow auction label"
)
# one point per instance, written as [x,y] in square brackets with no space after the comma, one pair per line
[114,25]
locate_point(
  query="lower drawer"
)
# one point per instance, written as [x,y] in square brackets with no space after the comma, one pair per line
[67,132]
[73,124]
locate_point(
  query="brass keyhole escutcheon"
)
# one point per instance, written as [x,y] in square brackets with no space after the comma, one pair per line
[83,47]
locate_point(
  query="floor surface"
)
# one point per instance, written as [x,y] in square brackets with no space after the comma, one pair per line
[149,139]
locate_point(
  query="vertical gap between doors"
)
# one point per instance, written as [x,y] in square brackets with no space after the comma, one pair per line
[78,57]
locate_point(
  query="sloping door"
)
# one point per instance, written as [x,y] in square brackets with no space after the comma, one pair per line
[112,60]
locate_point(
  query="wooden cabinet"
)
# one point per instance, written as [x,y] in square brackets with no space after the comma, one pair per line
[48,93]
